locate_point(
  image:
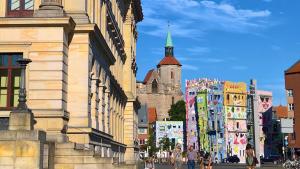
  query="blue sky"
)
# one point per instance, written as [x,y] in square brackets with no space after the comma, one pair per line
[226,39]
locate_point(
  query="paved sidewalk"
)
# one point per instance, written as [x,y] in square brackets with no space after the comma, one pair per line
[220,166]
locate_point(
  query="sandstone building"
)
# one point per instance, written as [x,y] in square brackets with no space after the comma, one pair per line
[162,86]
[81,84]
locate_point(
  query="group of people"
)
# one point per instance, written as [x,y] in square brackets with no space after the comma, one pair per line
[204,159]
[192,156]
[177,159]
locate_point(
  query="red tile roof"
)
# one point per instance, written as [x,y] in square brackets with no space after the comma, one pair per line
[294,68]
[152,115]
[148,75]
[169,60]
[281,111]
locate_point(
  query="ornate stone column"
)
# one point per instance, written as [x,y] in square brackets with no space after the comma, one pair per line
[50,8]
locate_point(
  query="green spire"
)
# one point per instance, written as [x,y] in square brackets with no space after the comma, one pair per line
[169,42]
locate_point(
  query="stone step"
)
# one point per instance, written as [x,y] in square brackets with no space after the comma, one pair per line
[82,160]
[72,152]
[69,145]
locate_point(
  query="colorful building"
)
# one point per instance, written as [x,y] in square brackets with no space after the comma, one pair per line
[202,116]
[265,122]
[205,126]
[191,122]
[235,103]
[216,120]
[171,129]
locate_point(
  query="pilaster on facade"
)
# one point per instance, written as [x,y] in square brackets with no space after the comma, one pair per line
[102,89]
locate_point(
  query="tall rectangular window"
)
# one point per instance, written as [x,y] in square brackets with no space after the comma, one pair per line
[237,125]
[20,8]
[10,74]
[291,107]
[289,93]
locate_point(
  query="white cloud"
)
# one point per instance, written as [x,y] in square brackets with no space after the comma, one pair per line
[192,19]
[189,67]
[275,47]
[201,59]
[198,50]
[239,67]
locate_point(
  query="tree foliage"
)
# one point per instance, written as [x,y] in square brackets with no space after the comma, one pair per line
[151,144]
[177,111]
[165,144]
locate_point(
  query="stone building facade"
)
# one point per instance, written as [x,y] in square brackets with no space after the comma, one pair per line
[162,86]
[82,80]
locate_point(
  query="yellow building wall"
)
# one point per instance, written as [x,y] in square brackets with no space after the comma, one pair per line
[235,93]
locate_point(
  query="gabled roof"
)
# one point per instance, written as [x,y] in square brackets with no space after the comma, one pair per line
[148,75]
[169,60]
[152,115]
[281,111]
[295,68]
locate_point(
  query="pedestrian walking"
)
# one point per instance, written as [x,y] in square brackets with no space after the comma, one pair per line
[149,163]
[177,157]
[208,161]
[201,159]
[191,157]
[251,160]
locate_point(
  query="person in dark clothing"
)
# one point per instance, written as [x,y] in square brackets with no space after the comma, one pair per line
[207,161]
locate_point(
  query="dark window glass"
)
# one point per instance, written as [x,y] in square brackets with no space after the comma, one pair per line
[3,60]
[154,86]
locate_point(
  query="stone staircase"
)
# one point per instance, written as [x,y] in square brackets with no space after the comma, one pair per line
[74,156]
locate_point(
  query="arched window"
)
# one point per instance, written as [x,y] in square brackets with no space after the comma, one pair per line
[154,86]
[172,75]
[173,100]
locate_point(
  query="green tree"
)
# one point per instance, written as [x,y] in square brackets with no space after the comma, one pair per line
[177,111]
[165,144]
[151,144]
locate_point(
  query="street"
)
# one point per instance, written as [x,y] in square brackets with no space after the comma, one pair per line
[220,166]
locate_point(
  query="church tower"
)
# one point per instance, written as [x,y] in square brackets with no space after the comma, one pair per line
[162,86]
[169,69]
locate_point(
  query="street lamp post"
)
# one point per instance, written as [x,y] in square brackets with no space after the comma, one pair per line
[22,106]
[22,118]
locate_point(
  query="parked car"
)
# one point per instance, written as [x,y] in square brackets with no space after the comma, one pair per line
[233,159]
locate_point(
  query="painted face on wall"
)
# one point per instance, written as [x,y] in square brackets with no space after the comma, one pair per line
[237,100]
[265,103]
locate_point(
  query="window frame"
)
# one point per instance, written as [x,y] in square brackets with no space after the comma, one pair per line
[291,107]
[18,13]
[9,69]
[289,92]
